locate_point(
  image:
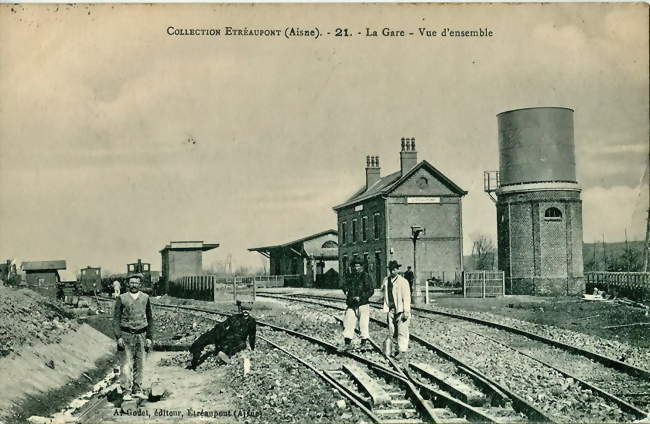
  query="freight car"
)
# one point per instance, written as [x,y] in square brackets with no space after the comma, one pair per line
[90,280]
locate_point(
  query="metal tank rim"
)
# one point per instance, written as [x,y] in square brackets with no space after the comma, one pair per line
[539,186]
[535,108]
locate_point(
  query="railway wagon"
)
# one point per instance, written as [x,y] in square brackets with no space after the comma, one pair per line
[143,268]
[90,280]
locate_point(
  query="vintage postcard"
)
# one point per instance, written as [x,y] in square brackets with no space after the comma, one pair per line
[328,213]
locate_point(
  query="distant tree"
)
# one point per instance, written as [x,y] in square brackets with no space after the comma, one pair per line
[483,252]
[242,270]
[630,260]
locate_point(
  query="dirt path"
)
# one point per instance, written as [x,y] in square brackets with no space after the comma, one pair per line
[192,396]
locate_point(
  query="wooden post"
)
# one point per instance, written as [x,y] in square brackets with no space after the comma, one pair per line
[503,283]
[483,282]
[254,288]
[214,289]
[426,293]
[234,285]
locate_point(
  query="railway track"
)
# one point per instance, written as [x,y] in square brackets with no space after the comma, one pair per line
[420,393]
[631,407]
[387,392]
[384,395]
[595,356]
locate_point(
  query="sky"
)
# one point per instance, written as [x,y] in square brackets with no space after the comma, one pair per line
[116,138]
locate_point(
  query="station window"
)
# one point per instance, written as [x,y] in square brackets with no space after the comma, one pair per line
[354,231]
[376,225]
[364,228]
[343,233]
[553,214]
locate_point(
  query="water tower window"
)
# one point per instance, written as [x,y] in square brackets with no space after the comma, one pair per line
[553,214]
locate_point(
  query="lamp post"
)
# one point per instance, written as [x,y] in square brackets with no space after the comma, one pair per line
[416,231]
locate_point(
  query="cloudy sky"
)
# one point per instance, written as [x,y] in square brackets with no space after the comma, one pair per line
[116,138]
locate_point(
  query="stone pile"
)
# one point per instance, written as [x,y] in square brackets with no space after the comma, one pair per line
[27,317]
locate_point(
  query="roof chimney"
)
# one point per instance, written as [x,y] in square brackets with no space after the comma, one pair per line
[408,157]
[372,171]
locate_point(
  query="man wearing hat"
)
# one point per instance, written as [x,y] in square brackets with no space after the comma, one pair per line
[358,289]
[229,337]
[397,305]
[133,328]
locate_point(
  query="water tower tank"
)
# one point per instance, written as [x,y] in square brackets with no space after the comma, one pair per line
[539,210]
[536,145]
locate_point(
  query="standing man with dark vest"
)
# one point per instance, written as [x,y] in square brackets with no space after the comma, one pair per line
[358,288]
[132,324]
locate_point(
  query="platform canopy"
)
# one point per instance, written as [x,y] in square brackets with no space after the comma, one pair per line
[296,246]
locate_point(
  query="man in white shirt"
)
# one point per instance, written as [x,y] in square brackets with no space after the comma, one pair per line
[397,305]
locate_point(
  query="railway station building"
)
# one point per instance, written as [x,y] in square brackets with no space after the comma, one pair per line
[376,222]
[183,258]
[311,261]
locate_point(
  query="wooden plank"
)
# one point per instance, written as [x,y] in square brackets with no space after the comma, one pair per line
[451,384]
[627,325]
[395,411]
[377,394]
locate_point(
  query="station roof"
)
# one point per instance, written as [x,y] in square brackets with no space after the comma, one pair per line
[323,253]
[291,243]
[391,181]
[43,265]
[190,245]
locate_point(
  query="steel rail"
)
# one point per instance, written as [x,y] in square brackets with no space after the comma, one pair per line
[332,382]
[624,405]
[604,359]
[413,385]
[519,404]
[413,391]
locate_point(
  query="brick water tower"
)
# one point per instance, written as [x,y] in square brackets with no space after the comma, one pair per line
[539,211]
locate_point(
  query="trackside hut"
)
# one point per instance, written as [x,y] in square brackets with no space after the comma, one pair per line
[375,223]
[183,258]
[43,276]
[313,260]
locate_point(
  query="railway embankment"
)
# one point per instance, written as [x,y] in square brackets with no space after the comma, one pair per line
[46,356]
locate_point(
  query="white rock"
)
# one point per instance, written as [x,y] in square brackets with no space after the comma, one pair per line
[340,404]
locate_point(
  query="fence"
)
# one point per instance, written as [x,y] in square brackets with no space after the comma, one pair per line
[470,283]
[217,288]
[199,287]
[446,279]
[633,285]
[483,283]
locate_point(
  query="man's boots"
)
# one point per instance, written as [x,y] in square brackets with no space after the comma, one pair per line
[225,358]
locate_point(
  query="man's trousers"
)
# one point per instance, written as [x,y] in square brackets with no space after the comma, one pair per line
[132,361]
[399,329]
[352,315]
